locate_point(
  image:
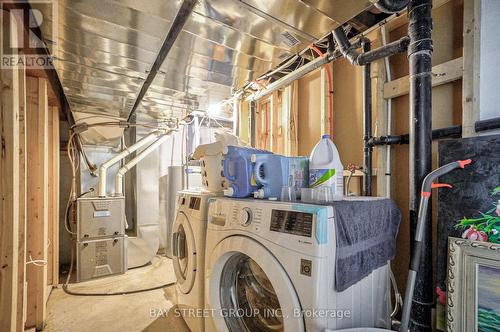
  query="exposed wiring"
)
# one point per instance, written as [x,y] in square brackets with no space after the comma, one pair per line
[69,206]
[74,160]
[76,141]
[218,123]
[279,69]
[188,123]
[36,262]
[83,126]
[67,222]
[70,292]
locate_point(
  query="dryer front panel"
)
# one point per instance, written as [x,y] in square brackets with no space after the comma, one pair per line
[184,253]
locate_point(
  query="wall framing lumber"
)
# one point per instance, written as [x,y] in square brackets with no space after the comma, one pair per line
[9,190]
[37,227]
[441,74]
[21,294]
[325,126]
[471,52]
[380,155]
[53,188]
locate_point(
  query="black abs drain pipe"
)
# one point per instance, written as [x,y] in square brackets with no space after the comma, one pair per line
[365,59]
[420,61]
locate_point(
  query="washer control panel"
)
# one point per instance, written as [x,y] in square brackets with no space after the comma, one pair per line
[245,216]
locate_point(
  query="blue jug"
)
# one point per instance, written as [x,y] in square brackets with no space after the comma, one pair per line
[273,172]
[238,171]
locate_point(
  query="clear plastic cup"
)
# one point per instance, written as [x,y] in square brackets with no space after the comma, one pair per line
[288,194]
[323,194]
[307,195]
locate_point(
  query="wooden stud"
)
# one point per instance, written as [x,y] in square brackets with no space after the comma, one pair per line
[441,74]
[37,228]
[381,121]
[285,120]
[294,119]
[263,123]
[21,294]
[325,128]
[471,52]
[53,187]
[50,189]
[278,143]
[9,189]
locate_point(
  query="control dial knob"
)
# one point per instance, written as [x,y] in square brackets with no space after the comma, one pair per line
[245,216]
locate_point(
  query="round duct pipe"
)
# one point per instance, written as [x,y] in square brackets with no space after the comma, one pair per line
[391,6]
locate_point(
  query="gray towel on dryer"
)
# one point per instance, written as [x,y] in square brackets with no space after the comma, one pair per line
[366,237]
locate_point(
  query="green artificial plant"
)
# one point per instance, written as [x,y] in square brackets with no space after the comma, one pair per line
[488,222]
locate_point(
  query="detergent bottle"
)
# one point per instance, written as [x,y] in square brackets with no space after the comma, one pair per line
[325,167]
[274,172]
[238,171]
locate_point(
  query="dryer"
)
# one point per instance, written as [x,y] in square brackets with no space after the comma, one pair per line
[269,266]
[188,254]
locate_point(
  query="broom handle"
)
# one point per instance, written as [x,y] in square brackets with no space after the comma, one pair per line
[427,186]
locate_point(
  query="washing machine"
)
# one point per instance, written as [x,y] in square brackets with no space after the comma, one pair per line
[269,266]
[188,254]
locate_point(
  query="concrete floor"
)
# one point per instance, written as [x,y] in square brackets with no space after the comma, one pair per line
[148,311]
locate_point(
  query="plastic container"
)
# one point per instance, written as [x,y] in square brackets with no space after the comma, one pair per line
[211,160]
[273,172]
[238,171]
[325,167]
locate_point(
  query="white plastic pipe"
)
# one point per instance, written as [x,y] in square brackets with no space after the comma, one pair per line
[388,76]
[127,151]
[128,166]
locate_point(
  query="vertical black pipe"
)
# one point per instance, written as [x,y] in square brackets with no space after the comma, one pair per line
[420,61]
[367,122]
[253,106]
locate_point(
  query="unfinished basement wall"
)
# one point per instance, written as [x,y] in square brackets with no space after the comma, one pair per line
[29,205]
[347,121]
[309,112]
[446,108]
[348,111]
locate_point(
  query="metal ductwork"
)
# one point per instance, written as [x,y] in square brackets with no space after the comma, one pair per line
[158,60]
[142,247]
[391,6]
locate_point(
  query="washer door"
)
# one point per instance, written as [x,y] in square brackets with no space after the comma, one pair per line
[249,290]
[184,253]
